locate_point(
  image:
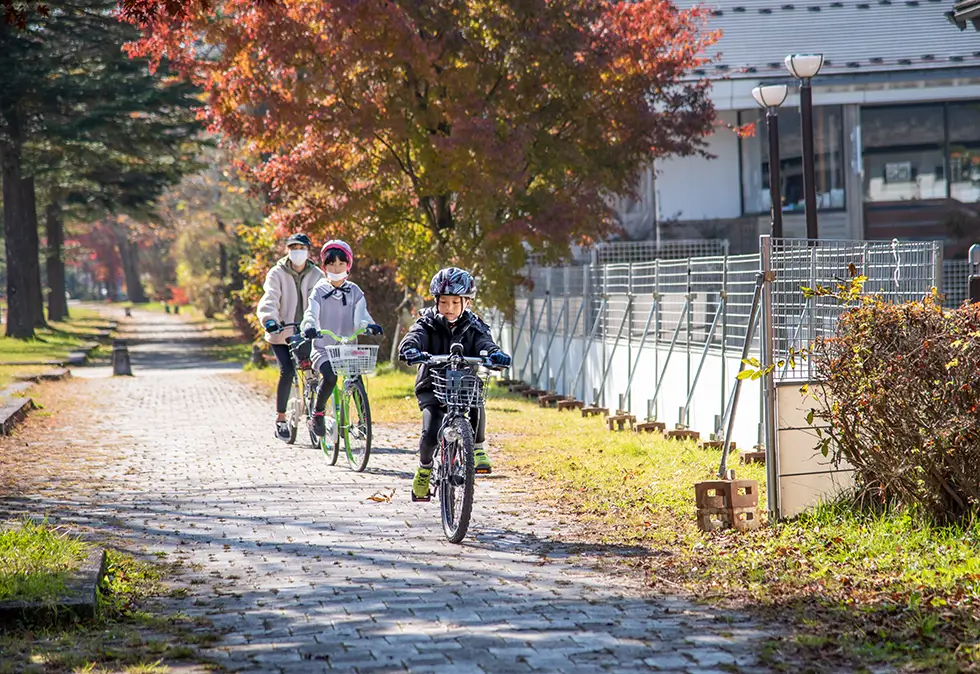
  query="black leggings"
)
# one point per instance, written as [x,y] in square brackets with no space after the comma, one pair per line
[432,416]
[327,381]
[286,371]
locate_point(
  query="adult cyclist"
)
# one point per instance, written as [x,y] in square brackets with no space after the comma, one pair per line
[287,290]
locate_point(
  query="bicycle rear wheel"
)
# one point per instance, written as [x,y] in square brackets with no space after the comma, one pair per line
[457,479]
[356,427]
[310,400]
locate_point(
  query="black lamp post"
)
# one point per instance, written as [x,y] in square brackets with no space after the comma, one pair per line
[805,67]
[770,97]
[973,288]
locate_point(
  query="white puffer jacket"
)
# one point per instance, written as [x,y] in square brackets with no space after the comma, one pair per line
[286,294]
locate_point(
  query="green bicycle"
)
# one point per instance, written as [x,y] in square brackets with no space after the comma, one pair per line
[352,411]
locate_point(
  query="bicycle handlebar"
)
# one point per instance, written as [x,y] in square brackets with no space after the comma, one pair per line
[325,333]
[466,359]
[469,360]
[342,340]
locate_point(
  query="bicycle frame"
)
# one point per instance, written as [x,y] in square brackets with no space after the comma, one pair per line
[341,394]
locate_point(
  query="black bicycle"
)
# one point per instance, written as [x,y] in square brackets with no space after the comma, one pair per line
[461,387]
[302,395]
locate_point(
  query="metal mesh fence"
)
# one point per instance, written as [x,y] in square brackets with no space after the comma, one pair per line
[665,294]
[896,271]
[956,278]
[684,296]
[644,251]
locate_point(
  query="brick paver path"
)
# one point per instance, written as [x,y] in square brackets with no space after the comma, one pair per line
[307,575]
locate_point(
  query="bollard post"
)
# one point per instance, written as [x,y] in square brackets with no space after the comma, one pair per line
[176,308]
[257,358]
[166,307]
[129,312]
[120,359]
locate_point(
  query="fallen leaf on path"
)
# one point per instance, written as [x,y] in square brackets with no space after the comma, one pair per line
[379,497]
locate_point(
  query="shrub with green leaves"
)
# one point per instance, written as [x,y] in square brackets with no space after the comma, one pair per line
[903,403]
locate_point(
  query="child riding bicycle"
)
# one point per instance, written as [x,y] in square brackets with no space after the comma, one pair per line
[437,328]
[337,305]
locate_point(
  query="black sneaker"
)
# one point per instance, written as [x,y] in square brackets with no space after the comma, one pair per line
[282,431]
[319,426]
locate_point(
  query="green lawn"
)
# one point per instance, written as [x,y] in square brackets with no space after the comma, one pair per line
[127,636]
[50,344]
[35,560]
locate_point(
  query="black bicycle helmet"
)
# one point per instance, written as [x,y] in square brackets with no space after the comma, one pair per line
[453,281]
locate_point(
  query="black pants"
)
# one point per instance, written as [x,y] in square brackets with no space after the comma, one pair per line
[327,381]
[432,416]
[286,371]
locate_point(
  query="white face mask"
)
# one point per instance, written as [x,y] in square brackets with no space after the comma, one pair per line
[331,276]
[298,256]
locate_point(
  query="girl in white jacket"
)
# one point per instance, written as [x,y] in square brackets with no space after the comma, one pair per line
[287,290]
[337,305]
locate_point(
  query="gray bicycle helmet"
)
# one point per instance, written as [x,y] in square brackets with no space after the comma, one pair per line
[453,281]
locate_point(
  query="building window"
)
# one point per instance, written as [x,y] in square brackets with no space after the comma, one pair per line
[828,148]
[903,153]
[964,151]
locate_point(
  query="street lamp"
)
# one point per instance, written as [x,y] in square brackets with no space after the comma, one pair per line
[804,67]
[973,287]
[770,97]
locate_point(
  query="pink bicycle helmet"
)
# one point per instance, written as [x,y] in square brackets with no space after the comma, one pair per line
[337,244]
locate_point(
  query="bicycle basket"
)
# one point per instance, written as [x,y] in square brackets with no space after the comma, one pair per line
[459,388]
[351,360]
[301,351]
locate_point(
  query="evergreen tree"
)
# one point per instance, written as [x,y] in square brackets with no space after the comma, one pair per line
[99,132]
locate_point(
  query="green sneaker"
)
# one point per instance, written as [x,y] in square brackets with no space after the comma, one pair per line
[420,485]
[481,461]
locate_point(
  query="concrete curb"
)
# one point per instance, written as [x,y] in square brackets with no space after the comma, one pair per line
[57,374]
[14,412]
[79,601]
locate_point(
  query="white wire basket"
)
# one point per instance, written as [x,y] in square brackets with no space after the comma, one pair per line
[459,388]
[351,360]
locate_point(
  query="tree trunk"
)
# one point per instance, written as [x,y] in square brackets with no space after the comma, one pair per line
[17,243]
[57,305]
[129,254]
[34,261]
[112,279]
[222,254]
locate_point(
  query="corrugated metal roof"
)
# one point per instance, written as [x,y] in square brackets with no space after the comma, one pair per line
[853,35]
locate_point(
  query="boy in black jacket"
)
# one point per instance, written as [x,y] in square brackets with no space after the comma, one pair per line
[448,322]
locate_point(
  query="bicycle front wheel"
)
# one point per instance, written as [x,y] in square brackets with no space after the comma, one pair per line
[331,443]
[458,477]
[356,428]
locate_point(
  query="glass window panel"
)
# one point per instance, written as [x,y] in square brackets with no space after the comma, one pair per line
[964,152]
[902,149]
[828,151]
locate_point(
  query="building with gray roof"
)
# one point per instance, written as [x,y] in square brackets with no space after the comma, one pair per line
[896,127]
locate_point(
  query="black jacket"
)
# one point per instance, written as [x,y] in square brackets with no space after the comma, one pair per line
[431,333]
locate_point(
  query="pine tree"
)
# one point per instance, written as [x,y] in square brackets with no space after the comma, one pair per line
[98,130]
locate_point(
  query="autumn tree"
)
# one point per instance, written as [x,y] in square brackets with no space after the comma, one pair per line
[446,132]
[208,212]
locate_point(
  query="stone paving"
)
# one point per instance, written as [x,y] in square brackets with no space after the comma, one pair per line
[305,574]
